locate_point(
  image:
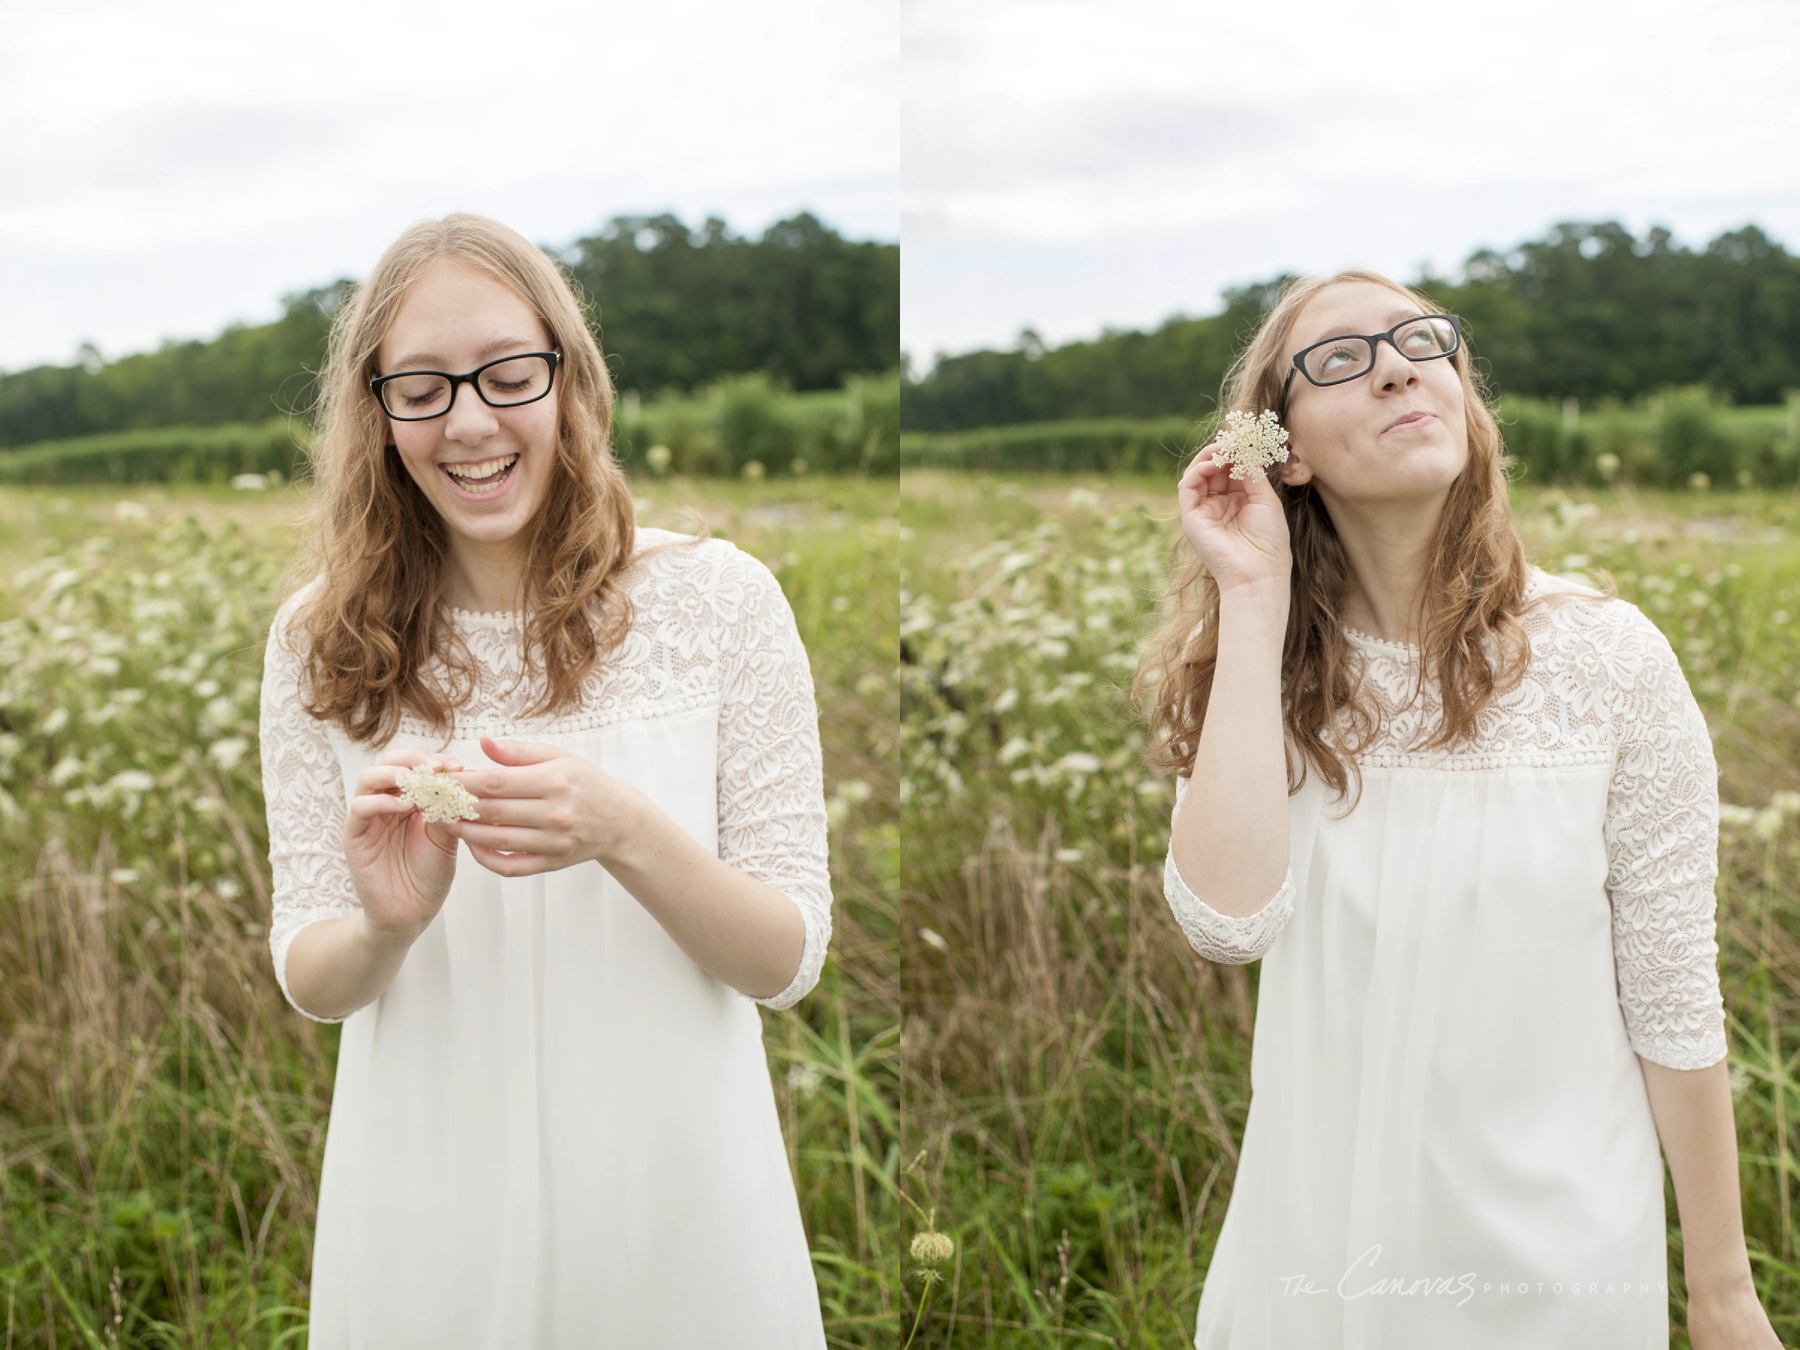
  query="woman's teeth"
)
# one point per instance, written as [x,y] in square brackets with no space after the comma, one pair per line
[484,477]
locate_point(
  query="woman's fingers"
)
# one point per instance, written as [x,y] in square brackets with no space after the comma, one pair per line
[511,864]
[368,805]
[384,774]
[512,838]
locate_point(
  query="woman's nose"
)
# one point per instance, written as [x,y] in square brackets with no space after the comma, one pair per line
[1392,370]
[469,419]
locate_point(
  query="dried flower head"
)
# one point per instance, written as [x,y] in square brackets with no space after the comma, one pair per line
[1248,441]
[932,1248]
[438,796]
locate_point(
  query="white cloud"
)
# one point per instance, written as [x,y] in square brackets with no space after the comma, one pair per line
[293,143]
[1100,134]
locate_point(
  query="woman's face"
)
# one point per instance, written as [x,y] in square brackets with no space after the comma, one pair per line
[485,470]
[1396,433]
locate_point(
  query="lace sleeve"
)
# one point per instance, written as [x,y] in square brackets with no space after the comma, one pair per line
[1662,848]
[304,792]
[771,777]
[1224,938]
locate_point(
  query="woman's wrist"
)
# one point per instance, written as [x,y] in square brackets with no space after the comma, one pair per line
[381,942]
[629,826]
[1718,1280]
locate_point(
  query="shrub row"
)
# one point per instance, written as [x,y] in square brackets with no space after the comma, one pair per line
[746,424]
[1662,441]
[1105,445]
[743,426]
[162,455]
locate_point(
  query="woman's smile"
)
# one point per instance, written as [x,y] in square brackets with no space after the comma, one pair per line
[482,480]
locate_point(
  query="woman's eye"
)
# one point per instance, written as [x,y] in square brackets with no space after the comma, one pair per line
[1336,357]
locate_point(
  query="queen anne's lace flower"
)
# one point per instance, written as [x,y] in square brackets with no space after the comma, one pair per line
[932,1248]
[437,795]
[1250,442]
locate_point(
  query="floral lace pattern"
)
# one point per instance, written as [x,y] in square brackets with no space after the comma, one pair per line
[1603,686]
[710,628]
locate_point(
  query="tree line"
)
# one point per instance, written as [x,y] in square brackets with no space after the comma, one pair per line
[1588,311]
[674,308]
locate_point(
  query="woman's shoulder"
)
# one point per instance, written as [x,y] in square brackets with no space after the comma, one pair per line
[663,560]
[1581,628]
[284,628]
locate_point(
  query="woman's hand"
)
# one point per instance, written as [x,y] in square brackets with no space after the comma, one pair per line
[1237,526]
[543,809]
[1729,1319]
[402,867]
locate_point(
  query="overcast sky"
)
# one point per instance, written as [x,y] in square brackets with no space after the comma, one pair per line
[167,168]
[1069,166]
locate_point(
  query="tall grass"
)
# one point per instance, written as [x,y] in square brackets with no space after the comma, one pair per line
[1076,1081]
[162,1110]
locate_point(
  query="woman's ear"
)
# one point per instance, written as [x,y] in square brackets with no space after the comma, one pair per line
[1294,470]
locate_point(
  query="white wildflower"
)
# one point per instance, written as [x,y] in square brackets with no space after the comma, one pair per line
[1251,442]
[932,1248]
[659,457]
[123,876]
[437,795]
[1767,825]
[804,1079]
[934,940]
[1740,1081]
[1079,762]
[132,780]
[250,482]
[228,752]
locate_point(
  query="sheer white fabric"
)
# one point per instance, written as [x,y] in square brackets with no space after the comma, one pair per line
[555,1129]
[1456,975]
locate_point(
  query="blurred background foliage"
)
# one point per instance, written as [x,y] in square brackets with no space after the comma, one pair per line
[1598,342]
[726,350]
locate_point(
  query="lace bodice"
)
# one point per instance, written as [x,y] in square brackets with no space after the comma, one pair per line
[1603,687]
[710,629]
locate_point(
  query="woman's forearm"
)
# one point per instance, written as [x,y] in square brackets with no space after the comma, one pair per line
[1692,1109]
[1230,839]
[734,927]
[336,966]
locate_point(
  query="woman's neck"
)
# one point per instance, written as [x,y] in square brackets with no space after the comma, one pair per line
[486,578]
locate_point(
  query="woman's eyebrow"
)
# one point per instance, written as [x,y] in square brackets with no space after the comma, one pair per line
[1392,317]
[414,360]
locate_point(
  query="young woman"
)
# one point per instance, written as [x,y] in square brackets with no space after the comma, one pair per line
[1489,976]
[553,1123]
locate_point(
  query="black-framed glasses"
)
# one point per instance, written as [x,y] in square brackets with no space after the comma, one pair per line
[420,395]
[1337,360]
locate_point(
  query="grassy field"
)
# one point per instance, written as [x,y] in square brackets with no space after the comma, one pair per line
[162,1110]
[1075,1080]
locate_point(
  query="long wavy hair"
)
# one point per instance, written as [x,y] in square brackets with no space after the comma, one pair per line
[378,618]
[1467,612]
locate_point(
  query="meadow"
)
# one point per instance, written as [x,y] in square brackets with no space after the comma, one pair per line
[1075,1079]
[162,1109]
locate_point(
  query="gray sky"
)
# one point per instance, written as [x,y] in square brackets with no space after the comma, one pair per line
[1070,166]
[167,168]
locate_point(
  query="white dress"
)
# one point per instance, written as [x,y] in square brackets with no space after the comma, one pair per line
[1449,1140]
[554,1129]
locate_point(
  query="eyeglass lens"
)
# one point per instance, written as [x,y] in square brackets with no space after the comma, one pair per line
[501,385]
[1346,358]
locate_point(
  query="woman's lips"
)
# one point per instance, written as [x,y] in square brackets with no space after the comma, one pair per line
[1416,419]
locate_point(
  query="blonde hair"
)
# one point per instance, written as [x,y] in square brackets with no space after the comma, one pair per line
[1474,588]
[378,617]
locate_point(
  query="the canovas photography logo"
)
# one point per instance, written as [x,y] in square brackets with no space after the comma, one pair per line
[1364,1279]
